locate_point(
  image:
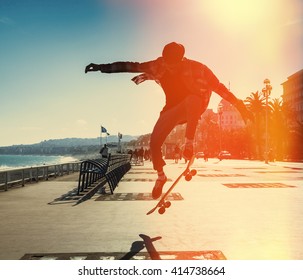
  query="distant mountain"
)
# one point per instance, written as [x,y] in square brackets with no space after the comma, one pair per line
[64,146]
[76,142]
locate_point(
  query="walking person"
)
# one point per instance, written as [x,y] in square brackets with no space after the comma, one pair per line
[104,151]
[177,153]
[187,85]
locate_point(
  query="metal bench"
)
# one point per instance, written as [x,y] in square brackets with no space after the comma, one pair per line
[91,171]
[96,173]
[119,165]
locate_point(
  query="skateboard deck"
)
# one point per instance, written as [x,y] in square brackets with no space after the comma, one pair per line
[162,204]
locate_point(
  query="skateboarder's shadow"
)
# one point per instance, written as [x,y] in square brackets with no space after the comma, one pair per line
[147,243]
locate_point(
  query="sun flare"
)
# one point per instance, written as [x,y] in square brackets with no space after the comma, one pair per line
[240,14]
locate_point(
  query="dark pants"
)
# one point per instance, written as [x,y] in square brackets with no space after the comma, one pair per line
[188,111]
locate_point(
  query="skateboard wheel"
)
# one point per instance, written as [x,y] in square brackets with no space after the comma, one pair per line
[188,177]
[193,172]
[161,210]
[167,204]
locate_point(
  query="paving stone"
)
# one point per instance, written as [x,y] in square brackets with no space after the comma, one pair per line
[260,221]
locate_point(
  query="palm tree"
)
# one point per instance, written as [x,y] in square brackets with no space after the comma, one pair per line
[278,127]
[208,129]
[256,104]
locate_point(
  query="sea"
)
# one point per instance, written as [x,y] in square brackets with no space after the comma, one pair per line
[20,161]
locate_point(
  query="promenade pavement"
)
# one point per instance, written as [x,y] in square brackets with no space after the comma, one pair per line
[233,209]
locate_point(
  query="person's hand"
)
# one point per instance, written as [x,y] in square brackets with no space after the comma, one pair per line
[92,67]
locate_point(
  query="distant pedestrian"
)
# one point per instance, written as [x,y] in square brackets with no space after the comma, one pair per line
[104,151]
[130,152]
[136,156]
[206,155]
[271,156]
[141,155]
[177,153]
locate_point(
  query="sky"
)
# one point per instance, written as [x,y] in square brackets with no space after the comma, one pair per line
[46,44]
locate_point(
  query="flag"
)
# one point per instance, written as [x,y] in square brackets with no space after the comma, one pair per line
[103,129]
[119,135]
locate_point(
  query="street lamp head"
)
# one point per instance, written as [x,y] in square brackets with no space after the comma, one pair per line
[267,90]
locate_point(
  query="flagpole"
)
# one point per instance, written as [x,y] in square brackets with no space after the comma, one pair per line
[104,130]
[101,136]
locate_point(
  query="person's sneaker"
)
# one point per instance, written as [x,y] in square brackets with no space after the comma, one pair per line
[188,151]
[157,190]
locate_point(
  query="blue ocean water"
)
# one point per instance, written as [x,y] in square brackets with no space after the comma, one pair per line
[15,161]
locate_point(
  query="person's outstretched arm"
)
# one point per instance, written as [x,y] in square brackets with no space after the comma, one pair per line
[118,67]
[226,94]
[238,103]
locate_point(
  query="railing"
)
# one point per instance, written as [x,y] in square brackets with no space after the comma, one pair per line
[21,176]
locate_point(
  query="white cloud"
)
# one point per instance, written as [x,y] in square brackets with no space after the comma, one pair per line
[81,122]
[6,21]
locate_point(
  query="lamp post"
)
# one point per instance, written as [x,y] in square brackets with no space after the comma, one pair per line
[220,112]
[266,92]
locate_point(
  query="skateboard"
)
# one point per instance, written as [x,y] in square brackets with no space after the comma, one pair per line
[148,242]
[188,173]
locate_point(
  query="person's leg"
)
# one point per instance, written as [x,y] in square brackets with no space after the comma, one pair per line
[187,111]
[194,108]
[193,114]
[166,122]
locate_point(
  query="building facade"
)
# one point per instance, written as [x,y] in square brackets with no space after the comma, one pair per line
[293,93]
[229,117]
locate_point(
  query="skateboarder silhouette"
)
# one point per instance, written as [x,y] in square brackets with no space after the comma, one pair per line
[187,85]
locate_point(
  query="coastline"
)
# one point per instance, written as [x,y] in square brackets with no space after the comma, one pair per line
[10,162]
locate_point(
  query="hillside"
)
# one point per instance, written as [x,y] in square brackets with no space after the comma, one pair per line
[64,146]
[74,142]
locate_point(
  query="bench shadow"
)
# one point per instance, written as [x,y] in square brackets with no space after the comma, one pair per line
[69,197]
[76,198]
[138,246]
